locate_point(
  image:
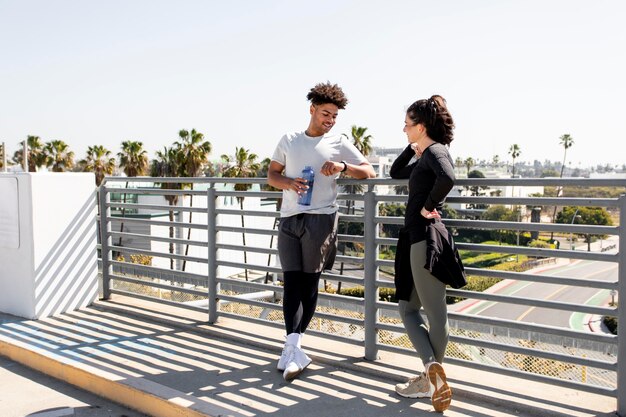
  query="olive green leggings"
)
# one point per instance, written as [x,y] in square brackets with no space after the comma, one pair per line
[429,339]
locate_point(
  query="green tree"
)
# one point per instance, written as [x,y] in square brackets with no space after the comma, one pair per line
[242,165]
[36,155]
[58,156]
[99,161]
[594,216]
[476,190]
[502,213]
[469,163]
[133,160]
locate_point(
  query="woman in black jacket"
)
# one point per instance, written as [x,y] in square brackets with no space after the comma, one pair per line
[428,126]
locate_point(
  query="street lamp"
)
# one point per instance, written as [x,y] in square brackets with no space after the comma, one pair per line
[571,234]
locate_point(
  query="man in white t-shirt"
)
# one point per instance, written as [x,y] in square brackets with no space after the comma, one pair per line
[307,235]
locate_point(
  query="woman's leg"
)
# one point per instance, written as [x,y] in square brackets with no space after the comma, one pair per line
[432,294]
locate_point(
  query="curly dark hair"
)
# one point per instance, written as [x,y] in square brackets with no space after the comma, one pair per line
[434,115]
[324,93]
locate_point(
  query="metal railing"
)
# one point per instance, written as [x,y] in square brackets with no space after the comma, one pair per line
[196,256]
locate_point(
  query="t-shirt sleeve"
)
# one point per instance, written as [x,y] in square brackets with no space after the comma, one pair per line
[350,153]
[280,153]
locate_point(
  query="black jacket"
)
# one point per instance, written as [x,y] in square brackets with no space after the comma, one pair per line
[442,260]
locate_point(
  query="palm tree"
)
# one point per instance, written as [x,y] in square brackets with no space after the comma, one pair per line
[134,162]
[515,152]
[242,165]
[58,156]
[567,141]
[496,160]
[133,159]
[36,155]
[469,163]
[99,161]
[194,154]
[167,164]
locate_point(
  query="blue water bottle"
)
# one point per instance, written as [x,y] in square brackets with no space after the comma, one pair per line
[309,175]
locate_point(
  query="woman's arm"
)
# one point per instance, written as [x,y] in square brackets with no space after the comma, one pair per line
[400,169]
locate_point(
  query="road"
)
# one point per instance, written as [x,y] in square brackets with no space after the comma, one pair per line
[594,270]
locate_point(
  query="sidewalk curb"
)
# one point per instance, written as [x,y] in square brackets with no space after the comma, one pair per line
[138,394]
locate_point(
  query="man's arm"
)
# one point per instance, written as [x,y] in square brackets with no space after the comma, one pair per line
[276,179]
[362,171]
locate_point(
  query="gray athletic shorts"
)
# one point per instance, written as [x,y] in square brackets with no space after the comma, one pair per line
[307,242]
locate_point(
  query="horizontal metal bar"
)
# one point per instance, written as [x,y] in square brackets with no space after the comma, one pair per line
[535,328]
[342,278]
[127,249]
[546,279]
[156,270]
[350,238]
[180,225]
[349,259]
[249,267]
[540,253]
[159,239]
[533,302]
[522,182]
[242,248]
[155,207]
[532,227]
[252,213]
[258,286]
[158,191]
[253,231]
[535,201]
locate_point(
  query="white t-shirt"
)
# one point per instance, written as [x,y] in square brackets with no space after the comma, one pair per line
[297,150]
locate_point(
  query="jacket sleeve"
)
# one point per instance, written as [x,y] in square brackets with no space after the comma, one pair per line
[400,169]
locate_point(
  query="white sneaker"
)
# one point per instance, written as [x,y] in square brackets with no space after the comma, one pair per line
[297,361]
[416,387]
[284,357]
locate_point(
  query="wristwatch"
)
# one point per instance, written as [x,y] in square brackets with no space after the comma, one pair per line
[345,166]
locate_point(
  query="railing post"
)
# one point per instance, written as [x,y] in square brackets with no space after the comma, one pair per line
[105,241]
[370,274]
[212,253]
[621,311]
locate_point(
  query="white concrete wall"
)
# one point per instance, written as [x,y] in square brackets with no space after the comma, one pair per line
[54,269]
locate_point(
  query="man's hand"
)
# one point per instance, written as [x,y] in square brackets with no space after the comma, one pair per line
[331,168]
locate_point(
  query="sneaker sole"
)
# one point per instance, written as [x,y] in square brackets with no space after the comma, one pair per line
[442,395]
[291,375]
[414,395]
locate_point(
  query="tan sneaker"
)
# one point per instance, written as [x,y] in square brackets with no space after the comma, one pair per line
[416,387]
[442,394]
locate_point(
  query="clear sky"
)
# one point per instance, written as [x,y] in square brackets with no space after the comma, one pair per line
[513,72]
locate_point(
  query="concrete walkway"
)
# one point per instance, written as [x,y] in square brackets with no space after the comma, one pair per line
[164,361]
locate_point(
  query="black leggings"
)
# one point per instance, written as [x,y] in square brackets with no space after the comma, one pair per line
[299,299]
